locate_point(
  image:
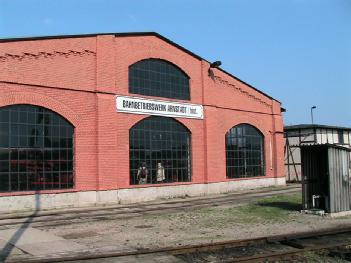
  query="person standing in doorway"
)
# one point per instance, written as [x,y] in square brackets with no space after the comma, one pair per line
[160,176]
[142,174]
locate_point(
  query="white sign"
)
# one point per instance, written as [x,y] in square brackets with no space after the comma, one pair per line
[158,107]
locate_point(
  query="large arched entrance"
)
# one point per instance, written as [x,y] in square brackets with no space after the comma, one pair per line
[36,149]
[160,151]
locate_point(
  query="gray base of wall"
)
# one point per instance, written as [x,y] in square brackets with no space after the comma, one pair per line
[9,204]
[339,214]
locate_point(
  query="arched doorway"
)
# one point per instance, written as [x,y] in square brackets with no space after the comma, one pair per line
[36,149]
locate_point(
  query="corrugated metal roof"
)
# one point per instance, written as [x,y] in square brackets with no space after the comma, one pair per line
[326,146]
[311,126]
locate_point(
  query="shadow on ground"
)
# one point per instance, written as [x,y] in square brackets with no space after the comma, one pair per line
[5,253]
[290,206]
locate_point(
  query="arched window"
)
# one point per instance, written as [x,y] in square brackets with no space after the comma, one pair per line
[159,151]
[36,149]
[155,77]
[244,152]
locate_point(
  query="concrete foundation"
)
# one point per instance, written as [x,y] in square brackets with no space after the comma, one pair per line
[9,204]
[339,214]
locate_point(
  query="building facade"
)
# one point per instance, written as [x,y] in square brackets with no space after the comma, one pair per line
[310,134]
[108,118]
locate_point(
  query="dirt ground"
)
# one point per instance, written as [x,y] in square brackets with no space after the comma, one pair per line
[261,217]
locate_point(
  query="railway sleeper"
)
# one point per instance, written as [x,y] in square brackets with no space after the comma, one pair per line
[292,243]
[342,253]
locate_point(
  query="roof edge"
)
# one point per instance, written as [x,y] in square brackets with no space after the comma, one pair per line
[326,145]
[311,126]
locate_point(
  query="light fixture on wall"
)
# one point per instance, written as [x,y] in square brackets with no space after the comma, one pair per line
[312,108]
[215,64]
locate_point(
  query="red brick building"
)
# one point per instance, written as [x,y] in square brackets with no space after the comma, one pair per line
[127,117]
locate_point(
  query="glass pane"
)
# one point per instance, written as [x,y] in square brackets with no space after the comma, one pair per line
[244,152]
[36,149]
[167,157]
[155,77]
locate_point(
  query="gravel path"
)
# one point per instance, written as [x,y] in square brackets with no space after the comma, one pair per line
[217,223]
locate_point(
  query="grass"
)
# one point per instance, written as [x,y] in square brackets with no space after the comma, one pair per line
[276,208]
[266,210]
[320,256]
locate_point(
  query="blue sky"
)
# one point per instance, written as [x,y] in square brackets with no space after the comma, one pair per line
[297,51]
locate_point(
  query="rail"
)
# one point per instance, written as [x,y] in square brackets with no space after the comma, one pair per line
[263,249]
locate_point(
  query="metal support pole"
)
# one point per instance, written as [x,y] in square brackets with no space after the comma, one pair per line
[313,107]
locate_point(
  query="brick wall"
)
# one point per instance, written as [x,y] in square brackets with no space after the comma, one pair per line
[79,79]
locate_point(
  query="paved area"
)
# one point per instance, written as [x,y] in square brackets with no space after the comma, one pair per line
[120,228]
[37,242]
[8,250]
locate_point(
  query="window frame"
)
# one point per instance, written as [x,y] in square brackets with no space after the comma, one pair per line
[234,161]
[160,86]
[33,159]
[181,157]
[341,140]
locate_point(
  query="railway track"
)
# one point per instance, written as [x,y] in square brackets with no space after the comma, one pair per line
[282,248]
[55,218]
[275,249]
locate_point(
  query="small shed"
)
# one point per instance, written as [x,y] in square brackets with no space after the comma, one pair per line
[310,134]
[326,178]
